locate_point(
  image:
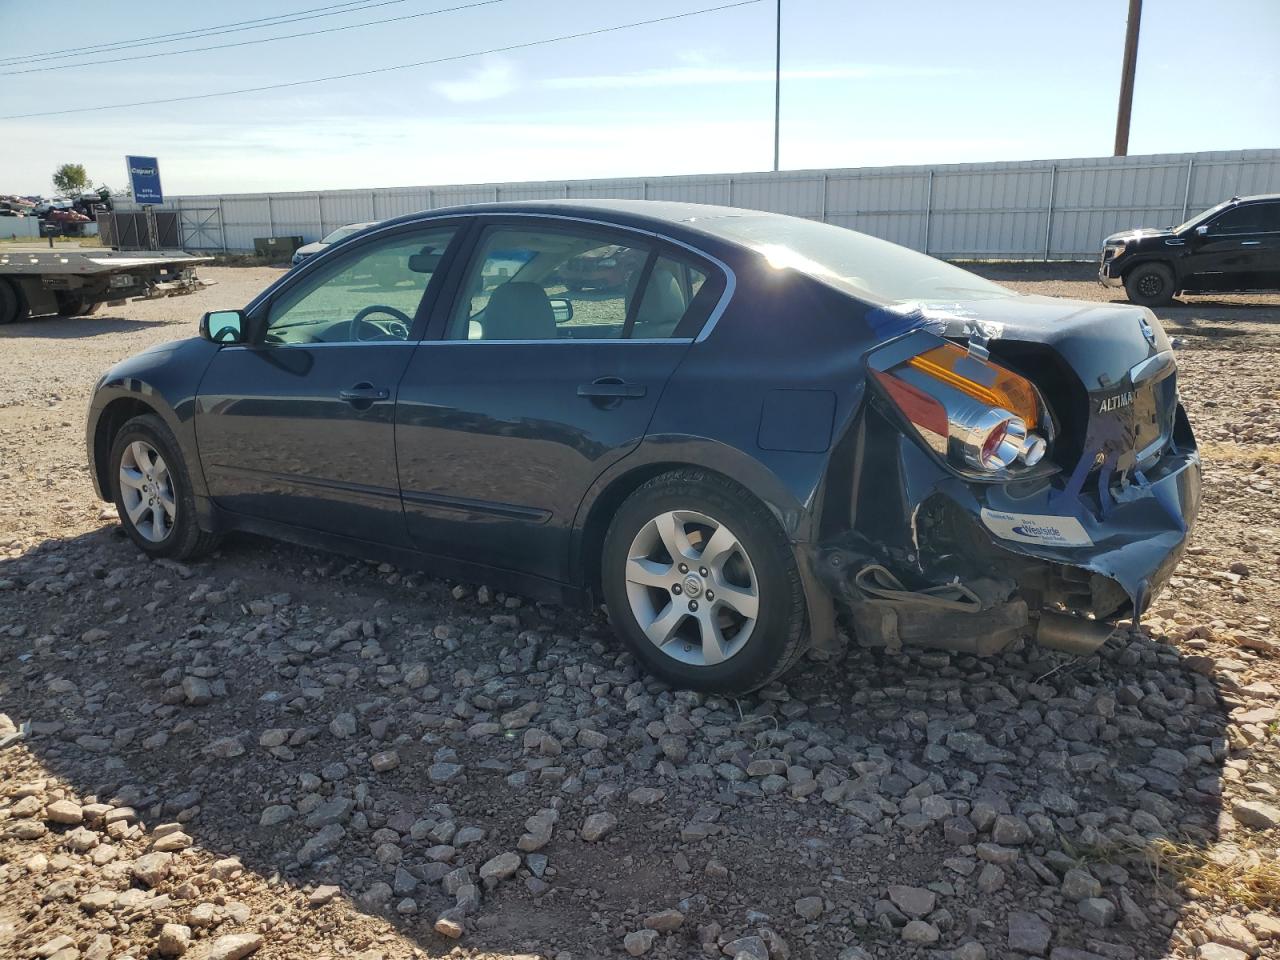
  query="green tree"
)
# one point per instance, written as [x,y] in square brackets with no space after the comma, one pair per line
[70,180]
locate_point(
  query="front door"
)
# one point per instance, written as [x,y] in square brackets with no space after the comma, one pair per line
[548,369]
[298,427]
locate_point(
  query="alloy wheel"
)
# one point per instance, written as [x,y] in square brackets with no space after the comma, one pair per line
[146,488]
[692,587]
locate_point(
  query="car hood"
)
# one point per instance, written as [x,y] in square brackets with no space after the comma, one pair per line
[1140,233]
[310,249]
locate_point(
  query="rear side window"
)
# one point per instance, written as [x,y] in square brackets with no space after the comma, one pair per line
[1249,218]
[672,289]
[548,285]
[559,283]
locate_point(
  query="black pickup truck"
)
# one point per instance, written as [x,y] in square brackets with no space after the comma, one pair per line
[1233,246]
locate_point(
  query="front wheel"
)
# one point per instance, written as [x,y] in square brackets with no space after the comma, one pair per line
[1149,284]
[152,491]
[701,584]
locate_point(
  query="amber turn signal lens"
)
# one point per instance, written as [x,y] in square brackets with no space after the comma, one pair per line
[984,382]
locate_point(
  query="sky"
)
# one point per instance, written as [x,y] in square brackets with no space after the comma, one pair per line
[863,84]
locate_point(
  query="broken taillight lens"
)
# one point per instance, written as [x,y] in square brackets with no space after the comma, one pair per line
[974,412]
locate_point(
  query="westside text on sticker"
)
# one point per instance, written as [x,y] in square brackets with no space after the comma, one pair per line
[1035,528]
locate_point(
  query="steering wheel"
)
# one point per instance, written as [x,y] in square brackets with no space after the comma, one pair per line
[397,329]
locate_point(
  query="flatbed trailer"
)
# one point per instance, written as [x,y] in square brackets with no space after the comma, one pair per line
[77,282]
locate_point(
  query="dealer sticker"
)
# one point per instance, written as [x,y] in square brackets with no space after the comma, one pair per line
[1035,528]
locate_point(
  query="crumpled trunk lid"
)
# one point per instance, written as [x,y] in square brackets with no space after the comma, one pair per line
[1107,371]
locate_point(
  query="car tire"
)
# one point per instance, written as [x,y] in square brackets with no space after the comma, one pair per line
[712,643]
[12,307]
[74,305]
[146,450]
[1150,284]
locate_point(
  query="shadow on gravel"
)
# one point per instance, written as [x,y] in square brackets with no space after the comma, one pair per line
[328,722]
[76,328]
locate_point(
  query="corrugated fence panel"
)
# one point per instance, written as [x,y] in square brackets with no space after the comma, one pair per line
[795,196]
[1027,210]
[337,209]
[687,190]
[607,190]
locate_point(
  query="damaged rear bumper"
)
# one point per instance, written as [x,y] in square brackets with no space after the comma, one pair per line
[982,564]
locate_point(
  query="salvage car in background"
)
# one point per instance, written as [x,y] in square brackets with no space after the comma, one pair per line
[777,418]
[1233,246]
[328,240]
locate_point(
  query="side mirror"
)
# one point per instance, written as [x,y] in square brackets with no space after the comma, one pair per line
[1202,230]
[561,308]
[223,326]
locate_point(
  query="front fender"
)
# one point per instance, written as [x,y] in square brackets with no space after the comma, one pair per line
[163,379]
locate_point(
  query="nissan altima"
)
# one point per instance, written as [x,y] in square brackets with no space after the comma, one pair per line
[770,426]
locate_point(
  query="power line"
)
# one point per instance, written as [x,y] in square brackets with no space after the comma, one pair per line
[247,43]
[400,66]
[238,26]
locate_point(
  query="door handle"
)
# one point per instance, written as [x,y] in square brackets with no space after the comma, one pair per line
[1250,243]
[364,393]
[611,388]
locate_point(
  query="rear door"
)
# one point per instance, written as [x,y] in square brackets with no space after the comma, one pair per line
[538,379]
[299,427]
[1240,249]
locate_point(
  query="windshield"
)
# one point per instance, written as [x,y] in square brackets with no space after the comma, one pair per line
[868,268]
[1201,216]
[340,233]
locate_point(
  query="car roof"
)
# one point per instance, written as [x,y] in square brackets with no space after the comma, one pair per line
[1258,196]
[653,213]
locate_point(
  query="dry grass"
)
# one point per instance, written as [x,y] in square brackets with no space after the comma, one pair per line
[1240,452]
[1227,873]
[1250,878]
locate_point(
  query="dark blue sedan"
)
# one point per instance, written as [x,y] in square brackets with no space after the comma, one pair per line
[761,424]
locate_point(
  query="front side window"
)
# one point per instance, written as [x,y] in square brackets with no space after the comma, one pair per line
[547,285]
[370,295]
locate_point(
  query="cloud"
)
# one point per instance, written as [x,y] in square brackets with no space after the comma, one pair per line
[708,75]
[494,79]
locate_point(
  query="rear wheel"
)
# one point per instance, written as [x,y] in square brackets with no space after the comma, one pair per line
[702,586]
[1150,284]
[75,305]
[12,306]
[152,491]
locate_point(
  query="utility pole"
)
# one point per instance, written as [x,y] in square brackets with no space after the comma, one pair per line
[777,84]
[1126,77]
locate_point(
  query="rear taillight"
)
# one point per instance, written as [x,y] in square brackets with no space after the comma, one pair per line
[976,413]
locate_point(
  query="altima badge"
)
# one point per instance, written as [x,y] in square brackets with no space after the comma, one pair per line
[1115,403]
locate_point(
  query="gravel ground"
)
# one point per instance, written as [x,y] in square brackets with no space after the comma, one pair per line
[281,753]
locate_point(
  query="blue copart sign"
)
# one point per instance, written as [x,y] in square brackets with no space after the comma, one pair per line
[144,178]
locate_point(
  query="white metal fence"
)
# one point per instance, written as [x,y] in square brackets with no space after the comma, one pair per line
[1023,210]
